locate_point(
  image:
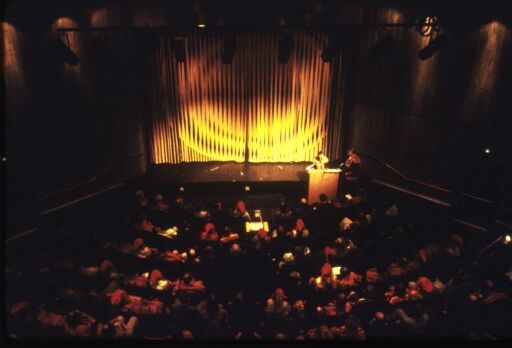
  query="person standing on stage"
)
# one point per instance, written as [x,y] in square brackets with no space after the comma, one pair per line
[320,161]
[352,163]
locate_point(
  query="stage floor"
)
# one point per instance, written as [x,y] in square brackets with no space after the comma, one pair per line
[229,172]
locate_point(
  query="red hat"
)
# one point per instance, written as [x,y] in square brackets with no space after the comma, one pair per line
[328,250]
[299,225]
[426,284]
[155,276]
[262,233]
[279,294]
[326,269]
[241,206]
[117,296]
[137,243]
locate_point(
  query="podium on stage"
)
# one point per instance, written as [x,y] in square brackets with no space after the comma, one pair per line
[322,181]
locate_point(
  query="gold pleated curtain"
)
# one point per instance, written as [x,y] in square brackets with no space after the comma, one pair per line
[204,110]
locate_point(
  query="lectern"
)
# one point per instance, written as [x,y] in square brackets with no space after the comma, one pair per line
[322,181]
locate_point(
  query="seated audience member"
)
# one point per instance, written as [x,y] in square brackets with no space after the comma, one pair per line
[142,205]
[187,335]
[80,324]
[412,292]
[284,211]
[241,211]
[395,270]
[137,280]
[188,285]
[141,198]
[135,304]
[277,305]
[140,249]
[50,319]
[276,310]
[353,329]
[300,227]
[428,252]
[20,319]
[146,225]
[119,327]
[350,279]
[209,234]
[425,285]
[173,256]
[372,275]
[327,280]
[303,210]
[283,215]
[228,236]
[160,205]
[108,269]
[159,211]
[154,278]
[262,235]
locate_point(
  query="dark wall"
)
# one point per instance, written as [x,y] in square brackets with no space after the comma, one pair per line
[66,124]
[432,119]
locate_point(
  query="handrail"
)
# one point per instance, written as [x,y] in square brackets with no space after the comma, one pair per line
[403,176]
[91,180]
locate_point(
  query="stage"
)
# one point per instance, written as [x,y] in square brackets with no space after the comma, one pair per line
[201,172]
[230,178]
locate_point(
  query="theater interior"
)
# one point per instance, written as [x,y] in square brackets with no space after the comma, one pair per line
[257,171]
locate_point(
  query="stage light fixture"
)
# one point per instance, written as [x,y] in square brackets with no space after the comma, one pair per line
[229,49]
[201,22]
[507,239]
[432,47]
[247,188]
[178,48]
[65,52]
[487,151]
[182,189]
[285,49]
[428,26]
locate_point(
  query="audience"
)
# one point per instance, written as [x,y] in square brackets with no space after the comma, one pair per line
[346,270]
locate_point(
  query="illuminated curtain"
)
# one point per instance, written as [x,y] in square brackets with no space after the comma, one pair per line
[204,110]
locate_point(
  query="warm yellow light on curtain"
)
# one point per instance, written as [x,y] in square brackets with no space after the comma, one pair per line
[209,111]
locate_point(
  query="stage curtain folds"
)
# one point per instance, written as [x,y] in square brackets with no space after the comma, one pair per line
[253,108]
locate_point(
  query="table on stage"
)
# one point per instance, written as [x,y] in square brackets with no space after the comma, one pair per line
[322,181]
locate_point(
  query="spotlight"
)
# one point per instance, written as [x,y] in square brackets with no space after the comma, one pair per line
[65,52]
[285,49]
[247,188]
[487,151]
[182,189]
[178,47]
[508,239]
[428,26]
[432,47]
[229,49]
[201,23]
